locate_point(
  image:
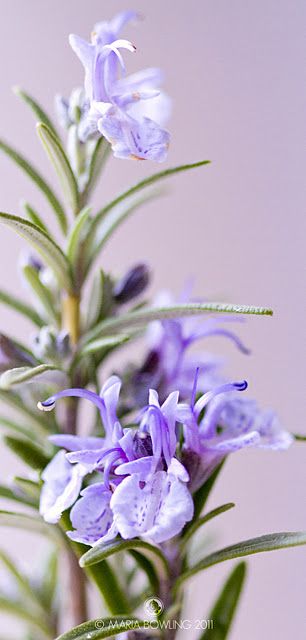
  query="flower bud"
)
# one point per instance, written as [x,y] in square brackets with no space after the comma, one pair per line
[11,355]
[50,345]
[132,284]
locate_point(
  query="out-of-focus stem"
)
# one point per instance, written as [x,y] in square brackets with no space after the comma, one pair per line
[71,317]
[77,596]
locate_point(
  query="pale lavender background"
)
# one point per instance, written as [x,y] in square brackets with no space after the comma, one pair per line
[235,71]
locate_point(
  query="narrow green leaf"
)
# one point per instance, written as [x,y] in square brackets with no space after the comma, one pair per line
[104,551]
[115,217]
[144,316]
[37,109]
[29,523]
[201,496]
[196,524]
[43,293]
[48,249]
[104,344]
[148,568]
[299,437]
[28,488]
[24,586]
[21,307]
[49,583]
[75,236]
[146,183]
[39,181]
[20,375]
[103,628]
[223,612]
[58,157]
[99,157]
[28,431]
[8,494]
[19,610]
[34,217]
[269,542]
[95,300]
[28,452]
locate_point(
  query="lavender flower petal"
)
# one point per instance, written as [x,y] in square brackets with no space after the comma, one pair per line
[91,516]
[62,485]
[155,510]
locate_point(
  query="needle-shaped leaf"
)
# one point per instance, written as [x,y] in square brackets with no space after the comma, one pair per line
[299,437]
[104,551]
[95,300]
[104,344]
[268,542]
[20,375]
[149,569]
[42,293]
[39,181]
[144,316]
[223,611]
[8,493]
[21,307]
[28,488]
[75,237]
[199,522]
[34,216]
[147,182]
[30,453]
[115,218]
[201,496]
[29,431]
[24,585]
[37,109]
[31,523]
[103,628]
[21,611]
[57,155]
[49,582]
[48,249]
[99,156]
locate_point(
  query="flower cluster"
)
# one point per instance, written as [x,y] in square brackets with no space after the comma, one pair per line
[142,476]
[129,111]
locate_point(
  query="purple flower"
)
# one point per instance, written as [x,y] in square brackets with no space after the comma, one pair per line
[229,423]
[61,488]
[169,365]
[118,108]
[156,509]
[138,463]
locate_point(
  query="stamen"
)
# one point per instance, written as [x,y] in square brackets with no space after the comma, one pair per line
[47,405]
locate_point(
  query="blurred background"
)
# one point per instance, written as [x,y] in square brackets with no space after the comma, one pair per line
[236,74]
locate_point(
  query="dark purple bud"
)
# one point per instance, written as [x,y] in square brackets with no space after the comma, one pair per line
[62,342]
[34,262]
[132,284]
[11,355]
